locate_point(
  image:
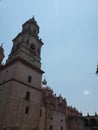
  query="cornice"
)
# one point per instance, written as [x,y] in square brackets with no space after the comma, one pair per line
[18,59]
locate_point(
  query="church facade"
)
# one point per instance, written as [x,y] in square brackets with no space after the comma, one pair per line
[27,102]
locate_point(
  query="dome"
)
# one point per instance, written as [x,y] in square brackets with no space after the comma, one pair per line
[44,85]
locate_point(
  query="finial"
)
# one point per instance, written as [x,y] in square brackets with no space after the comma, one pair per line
[34,16]
[33,19]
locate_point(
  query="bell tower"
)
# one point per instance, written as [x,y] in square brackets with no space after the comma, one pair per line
[27,44]
[20,81]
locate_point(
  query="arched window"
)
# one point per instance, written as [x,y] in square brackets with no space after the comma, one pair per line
[32,49]
[86,122]
[92,122]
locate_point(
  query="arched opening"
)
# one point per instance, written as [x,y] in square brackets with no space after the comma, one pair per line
[92,122]
[33,49]
[86,123]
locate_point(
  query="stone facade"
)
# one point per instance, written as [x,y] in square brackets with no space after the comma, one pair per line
[27,103]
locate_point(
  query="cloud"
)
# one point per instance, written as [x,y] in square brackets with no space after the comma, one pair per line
[86,92]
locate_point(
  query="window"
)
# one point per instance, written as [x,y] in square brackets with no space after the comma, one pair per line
[27,40]
[51,127]
[61,128]
[27,97]
[29,79]
[27,110]
[51,118]
[33,49]
[40,113]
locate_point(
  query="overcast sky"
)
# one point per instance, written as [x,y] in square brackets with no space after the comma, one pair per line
[69,30]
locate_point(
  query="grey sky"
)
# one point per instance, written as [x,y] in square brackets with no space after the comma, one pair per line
[69,30]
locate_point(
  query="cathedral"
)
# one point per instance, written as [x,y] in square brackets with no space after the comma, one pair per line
[27,102]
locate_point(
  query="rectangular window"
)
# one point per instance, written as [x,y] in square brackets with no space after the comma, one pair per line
[51,118]
[29,79]
[51,127]
[27,110]
[61,128]
[27,97]
[40,113]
